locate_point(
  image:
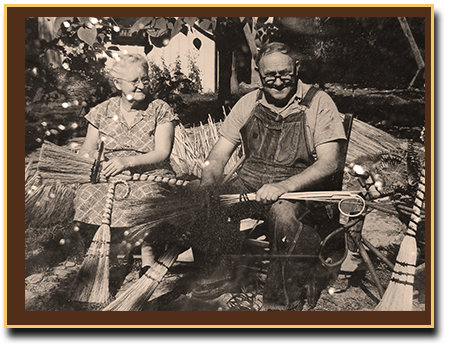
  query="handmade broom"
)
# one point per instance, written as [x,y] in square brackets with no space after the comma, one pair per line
[59,164]
[399,294]
[92,281]
[140,292]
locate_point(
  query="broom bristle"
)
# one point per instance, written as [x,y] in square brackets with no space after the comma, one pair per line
[92,281]
[366,139]
[140,292]
[46,205]
[399,294]
[96,263]
[62,165]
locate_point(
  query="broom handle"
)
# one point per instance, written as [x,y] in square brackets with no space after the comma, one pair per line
[150,177]
[106,220]
[417,208]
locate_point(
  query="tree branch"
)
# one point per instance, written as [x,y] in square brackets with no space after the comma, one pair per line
[204,32]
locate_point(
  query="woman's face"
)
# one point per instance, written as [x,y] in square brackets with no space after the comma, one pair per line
[133,83]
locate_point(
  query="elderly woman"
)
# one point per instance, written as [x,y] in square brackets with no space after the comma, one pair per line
[137,132]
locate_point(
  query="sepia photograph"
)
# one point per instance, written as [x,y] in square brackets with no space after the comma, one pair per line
[211,164]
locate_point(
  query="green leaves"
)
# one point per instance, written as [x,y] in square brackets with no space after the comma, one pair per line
[87,35]
[59,21]
[83,26]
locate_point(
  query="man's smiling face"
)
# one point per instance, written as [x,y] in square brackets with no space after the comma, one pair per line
[278,75]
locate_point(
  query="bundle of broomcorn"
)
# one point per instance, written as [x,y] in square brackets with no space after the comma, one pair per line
[180,216]
[181,219]
[192,146]
[46,204]
[367,140]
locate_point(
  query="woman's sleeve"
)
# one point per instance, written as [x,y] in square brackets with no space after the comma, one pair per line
[164,113]
[95,114]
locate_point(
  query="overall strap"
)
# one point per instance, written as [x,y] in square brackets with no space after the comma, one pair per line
[306,101]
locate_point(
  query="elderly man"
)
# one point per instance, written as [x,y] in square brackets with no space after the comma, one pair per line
[293,140]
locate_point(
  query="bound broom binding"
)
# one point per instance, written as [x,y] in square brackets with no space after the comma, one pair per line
[399,294]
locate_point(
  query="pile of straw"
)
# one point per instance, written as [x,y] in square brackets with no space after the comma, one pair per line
[366,139]
[192,146]
[61,165]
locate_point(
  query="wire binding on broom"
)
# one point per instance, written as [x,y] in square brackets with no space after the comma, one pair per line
[399,294]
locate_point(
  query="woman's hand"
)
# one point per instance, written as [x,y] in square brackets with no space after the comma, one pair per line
[115,166]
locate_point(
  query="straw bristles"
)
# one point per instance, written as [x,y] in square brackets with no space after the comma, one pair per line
[92,281]
[181,217]
[140,292]
[59,164]
[320,196]
[176,210]
[47,205]
[366,139]
[192,146]
[399,294]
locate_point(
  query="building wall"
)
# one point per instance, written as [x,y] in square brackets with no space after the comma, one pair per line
[182,46]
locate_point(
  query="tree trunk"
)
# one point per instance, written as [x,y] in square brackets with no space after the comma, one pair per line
[416,52]
[225,61]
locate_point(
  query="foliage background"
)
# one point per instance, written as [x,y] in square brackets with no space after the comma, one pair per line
[339,54]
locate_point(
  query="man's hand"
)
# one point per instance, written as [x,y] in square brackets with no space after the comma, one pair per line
[270,193]
[115,166]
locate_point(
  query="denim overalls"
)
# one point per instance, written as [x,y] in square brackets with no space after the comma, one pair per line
[276,148]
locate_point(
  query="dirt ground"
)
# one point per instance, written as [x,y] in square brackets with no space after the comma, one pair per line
[49,289]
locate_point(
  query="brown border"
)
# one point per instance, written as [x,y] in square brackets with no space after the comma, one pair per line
[16,316]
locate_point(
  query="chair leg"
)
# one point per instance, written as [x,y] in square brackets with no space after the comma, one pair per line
[370,266]
[312,291]
[378,253]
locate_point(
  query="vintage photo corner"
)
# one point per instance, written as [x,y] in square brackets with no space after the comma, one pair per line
[212,164]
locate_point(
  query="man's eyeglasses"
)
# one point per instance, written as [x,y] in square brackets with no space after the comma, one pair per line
[270,79]
[145,81]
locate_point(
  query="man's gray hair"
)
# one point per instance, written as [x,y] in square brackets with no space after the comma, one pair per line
[273,47]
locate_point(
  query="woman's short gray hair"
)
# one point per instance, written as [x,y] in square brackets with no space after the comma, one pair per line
[125,61]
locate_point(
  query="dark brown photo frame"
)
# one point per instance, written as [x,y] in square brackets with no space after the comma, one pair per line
[17,317]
